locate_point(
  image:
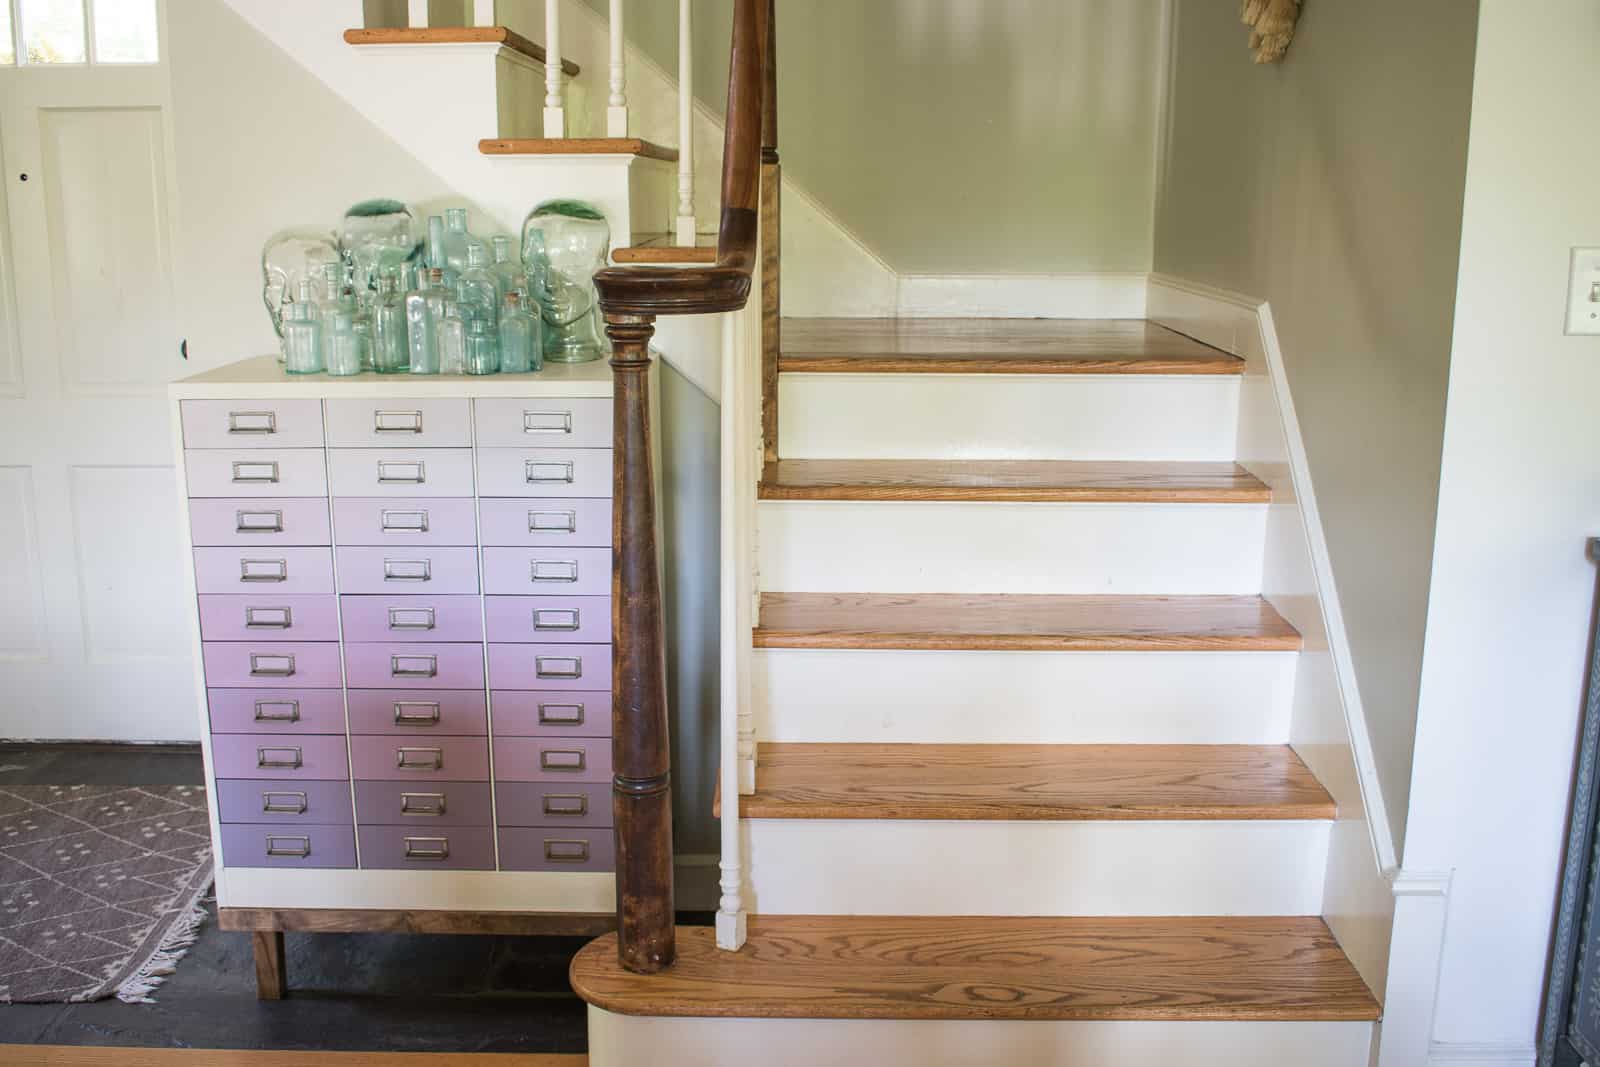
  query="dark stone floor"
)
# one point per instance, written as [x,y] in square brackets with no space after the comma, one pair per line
[368,992]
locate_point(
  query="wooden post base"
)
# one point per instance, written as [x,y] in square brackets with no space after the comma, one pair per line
[272,980]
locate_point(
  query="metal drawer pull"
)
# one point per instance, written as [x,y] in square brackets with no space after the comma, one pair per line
[265,712]
[566,851]
[268,618]
[552,522]
[404,521]
[252,422]
[413,666]
[263,570]
[427,848]
[419,759]
[547,422]
[416,713]
[537,472]
[570,805]
[555,619]
[561,714]
[296,803]
[411,618]
[300,849]
[558,666]
[553,570]
[271,665]
[408,570]
[563,759]
[258,521]
[280,758]
[430,804]
[397,421]
[255,472]
[396,472]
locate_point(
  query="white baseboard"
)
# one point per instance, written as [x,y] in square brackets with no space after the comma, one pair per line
[1421,902]
[1447,1054]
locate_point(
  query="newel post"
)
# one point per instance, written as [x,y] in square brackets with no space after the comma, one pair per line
[641,785]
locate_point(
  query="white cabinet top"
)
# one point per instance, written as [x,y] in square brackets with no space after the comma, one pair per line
[264,376]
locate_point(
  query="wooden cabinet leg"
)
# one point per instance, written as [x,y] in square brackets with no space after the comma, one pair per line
[271,977]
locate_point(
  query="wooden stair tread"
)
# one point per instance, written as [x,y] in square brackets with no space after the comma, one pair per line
[1011,480]
[997,968]
[660,248]
[995,346]
[1018,622]
[1034,782]
[458,35]
[576,146]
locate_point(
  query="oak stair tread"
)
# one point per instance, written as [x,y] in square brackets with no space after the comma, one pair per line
[995,346]
[994,968]
[1070,481]
[576,146]
[458,35]
[1022,622]
[661,248]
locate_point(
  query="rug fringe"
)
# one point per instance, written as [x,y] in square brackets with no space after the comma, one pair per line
[180,938]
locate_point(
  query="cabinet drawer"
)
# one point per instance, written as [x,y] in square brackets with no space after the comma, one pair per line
[264,617]
[553,849]
[266,571]
[404,666]
[311,757]
[412,618]
[553,422]
[451,848]
[401,521]
[271,664]
[251,423]
[583,619]
[397,472]
[431,423]
[562,667]
[290,711]
[434,759]
[406,712]
[552,714]
[288,845]
[547,523]
[414,569]
[421,805]
[552,759]
[547,571]
[265,801]
[537,804]
[259,523]
[544,472]
[296,472]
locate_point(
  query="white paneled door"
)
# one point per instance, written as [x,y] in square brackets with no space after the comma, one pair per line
[93,639]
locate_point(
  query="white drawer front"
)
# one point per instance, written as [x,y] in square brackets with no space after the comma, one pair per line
[252,423]
[553,422]
[432,423]
[289,472]
[550,472]
[403,472]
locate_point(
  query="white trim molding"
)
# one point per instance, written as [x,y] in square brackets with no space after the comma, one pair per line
[1449,1054]
[1421,905]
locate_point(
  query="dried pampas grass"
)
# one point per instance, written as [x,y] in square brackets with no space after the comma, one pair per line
[1271,25]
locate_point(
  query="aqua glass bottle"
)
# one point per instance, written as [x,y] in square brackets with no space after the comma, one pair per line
[508,265]
[422,324]
[480,287]
[483,347]
[457,240]
[391,354]
[344,347]
[521,340]
[452,340]
[302,338]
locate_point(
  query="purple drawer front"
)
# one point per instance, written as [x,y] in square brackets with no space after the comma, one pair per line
[553,523]
[401,472]
[279,472]
[432,423]
[406,712]
[547,422]
[289,711]
[541,667]
[265,617]
[535,804]
[405,666]
[271,664]
[423,759]
[412,618]
[552,849]
[263,801]
[252,423]
[419,805]
[264,570]
[547,571]
[552,759]
[310,757]
[421,521]
[258,523]
[451,848]
[418,570]
[580,619]
[552,714]
[544,472]
[288,845]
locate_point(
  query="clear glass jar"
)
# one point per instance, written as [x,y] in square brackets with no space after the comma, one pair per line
[452,340]
[344,346]
[288,258]
[391,352]
[521,336]
[376,236]
[424,309]
[567,241]
[483,347]
[457,239]
[479,288]
[302,335]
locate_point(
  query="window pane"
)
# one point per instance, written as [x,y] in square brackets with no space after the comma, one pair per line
[52,31]
[125,31]
[8,51]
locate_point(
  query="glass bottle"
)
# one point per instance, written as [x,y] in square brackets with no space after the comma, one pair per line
[452,340]
[480,287]
[457,240]
[521,336]
[344,348]
[424,309]
[483,347]
[392,353]
[508,265]
[363,324]
[302,333]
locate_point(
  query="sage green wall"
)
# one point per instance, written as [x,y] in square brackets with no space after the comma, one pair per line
[1332,186]
[1008,136]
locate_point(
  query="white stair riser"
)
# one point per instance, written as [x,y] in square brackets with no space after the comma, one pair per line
[1133,698]
[911,867]
[1007,416]
[924,547]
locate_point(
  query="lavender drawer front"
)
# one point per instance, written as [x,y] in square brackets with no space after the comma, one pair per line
[272,572]
[388,665]
[421,805]
[552,849]
[535,804]
[312,758]
[406,712]
[550,523]
[418,521]
[583,619]
[552,714]
[271,664]
[264,617]
[265,801]
[252,423]
[548,422]
[545,472]
[547,571]
[423,759]
[286,711]
[431,423]
[451,848]
[284,472]
[401,472]
[258,523]
[288,845]
[552,759]
[417,569]
[561,667]
[412,618]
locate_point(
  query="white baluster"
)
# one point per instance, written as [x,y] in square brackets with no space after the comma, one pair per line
[555,115]
[417,14]
[483,13]
[685,227]
[617,111]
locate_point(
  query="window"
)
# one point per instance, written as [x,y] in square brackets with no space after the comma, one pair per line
[45,32]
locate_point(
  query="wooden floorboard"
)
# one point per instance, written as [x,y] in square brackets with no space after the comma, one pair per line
[458,35]
[576,146]
[1016,622]
[77,1056]
[995,346]
[866,967]
[1068,481]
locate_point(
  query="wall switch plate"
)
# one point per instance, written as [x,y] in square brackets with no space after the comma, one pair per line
[1583,292]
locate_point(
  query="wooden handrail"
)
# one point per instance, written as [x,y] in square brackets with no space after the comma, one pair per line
[631,298]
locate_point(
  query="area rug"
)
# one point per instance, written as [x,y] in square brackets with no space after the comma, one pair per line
[100,888]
